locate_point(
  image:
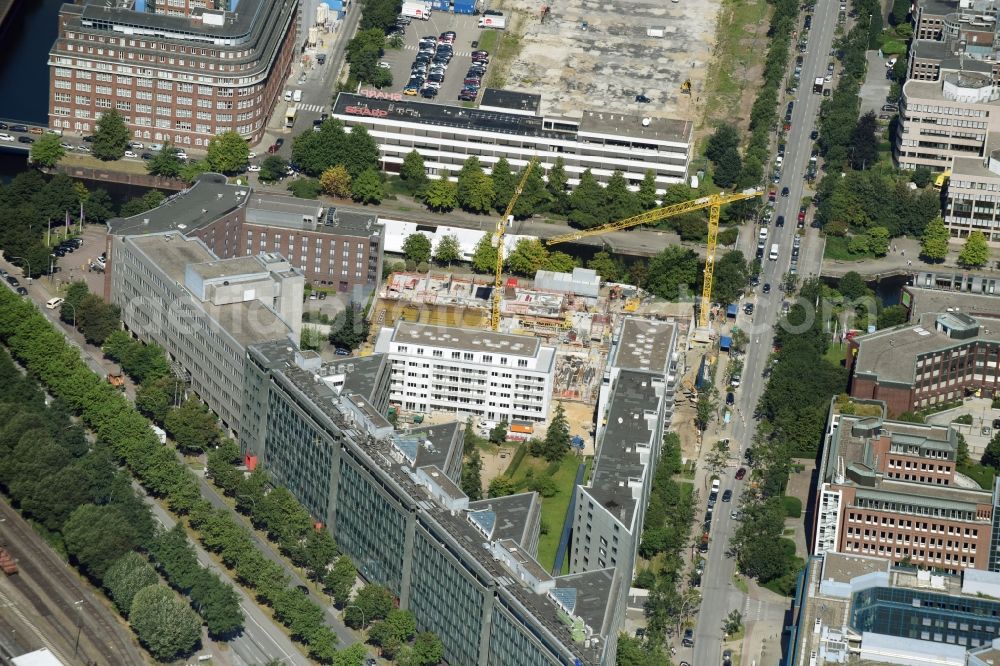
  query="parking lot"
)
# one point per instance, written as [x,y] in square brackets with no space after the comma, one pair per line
[466,29]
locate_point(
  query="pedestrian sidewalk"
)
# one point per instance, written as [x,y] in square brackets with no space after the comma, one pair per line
[904,256]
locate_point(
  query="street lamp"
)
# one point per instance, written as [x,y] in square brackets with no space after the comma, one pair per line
[79,625]
[363,624]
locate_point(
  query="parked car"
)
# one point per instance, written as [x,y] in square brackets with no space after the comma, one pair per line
[25,139]
[688,639]
[741,473]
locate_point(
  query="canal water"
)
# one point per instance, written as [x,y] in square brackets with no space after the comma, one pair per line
[24,74]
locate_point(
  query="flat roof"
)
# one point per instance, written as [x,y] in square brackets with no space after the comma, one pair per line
[938,7]
[235,24]
[593,589]
[891,355]
[360,374]
[466,339]
[631,415]
[294,213]
[644,344]
[924,300]
[228,268]
[509,99]
[625,124]
[208,199]
[446,444]
[843,568]
[484,120]
[249,322]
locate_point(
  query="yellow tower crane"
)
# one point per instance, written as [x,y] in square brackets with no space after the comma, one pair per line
[497,242]
[713,202]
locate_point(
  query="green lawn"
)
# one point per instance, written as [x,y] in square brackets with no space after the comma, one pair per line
[836,248]
[738,52]
[981,474]
[504,46]
[835,354]
[553,508]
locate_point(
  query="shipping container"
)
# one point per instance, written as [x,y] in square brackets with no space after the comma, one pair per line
[465,6]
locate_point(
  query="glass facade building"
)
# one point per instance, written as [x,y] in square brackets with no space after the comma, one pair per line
[926,615]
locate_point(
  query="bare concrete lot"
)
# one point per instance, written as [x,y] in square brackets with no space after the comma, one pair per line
[614,59]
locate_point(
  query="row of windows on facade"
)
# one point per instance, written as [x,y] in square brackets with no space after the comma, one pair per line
[147,81]
[161,123]
[160,59]
[919,477]
[933,528]
[163,111]
[345,245]
[167,88]
[401,378]
[907,538]
[164,46]
[928,556]
[465,400]
[462,356]
[923,466]
[398,369]
[63,64]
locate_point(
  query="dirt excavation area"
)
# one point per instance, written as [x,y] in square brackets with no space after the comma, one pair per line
[600,55]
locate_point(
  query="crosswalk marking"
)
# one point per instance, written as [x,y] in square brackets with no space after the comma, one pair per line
[466,54]
[315,108]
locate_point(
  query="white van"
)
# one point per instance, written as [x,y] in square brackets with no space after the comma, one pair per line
[715,485]
[297,96]
[288,95]
[774,252]
[53,303]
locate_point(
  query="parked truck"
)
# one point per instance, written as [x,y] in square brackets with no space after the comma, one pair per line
[417,10]
[818,85]
[493,21]
[7,562]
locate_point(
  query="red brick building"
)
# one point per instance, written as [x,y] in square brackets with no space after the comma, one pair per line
[182,73]
[888,489]
[942,357]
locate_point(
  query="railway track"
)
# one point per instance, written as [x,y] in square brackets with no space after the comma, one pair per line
[43,569]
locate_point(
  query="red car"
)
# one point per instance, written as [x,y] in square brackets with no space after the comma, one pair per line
[802,214]
[772,195]
[740,473]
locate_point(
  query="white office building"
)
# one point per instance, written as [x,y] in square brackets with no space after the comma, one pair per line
[495,376]
[509,124]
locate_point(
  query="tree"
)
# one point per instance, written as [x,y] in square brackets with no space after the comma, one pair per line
[304,188]
[991,456]
[727,168]
[427,650]
[559,262]
[272,168]
[98,207]
[165,163]
[395,630]
[894,315]
[97,549]
[504,184]
[557,183]
[934,242]
[139,205]
[475,189]
[608,266]
[534,196]
[864,145]
[123,580]
[367,187]
[413,173]
[165,625]
[448,250]
[351,332]
[96,319]
[484,257]
[47,150]
[417,247]
[192,426]
[498,433]
[585,202]
[705,408]
[360,151]
[441,195]
[619,202]
[672,272]
[317,553]
[501,486]
[921,176]
[227,152]
[336,182]
[726,137]
[646,196]
[852,286]
[557,438]
[374,603]
[528,257]
[733,623]
[975,252]
[339,580]
[730,277]
[472,483]
[111,138]
[878,241]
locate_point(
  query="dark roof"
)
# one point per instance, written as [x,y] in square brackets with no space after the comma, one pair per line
[236,24]
[207,200]
[512,513]
[361,377]
[508,99]
[632,412]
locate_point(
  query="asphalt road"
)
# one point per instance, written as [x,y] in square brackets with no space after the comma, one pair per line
[719,595]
